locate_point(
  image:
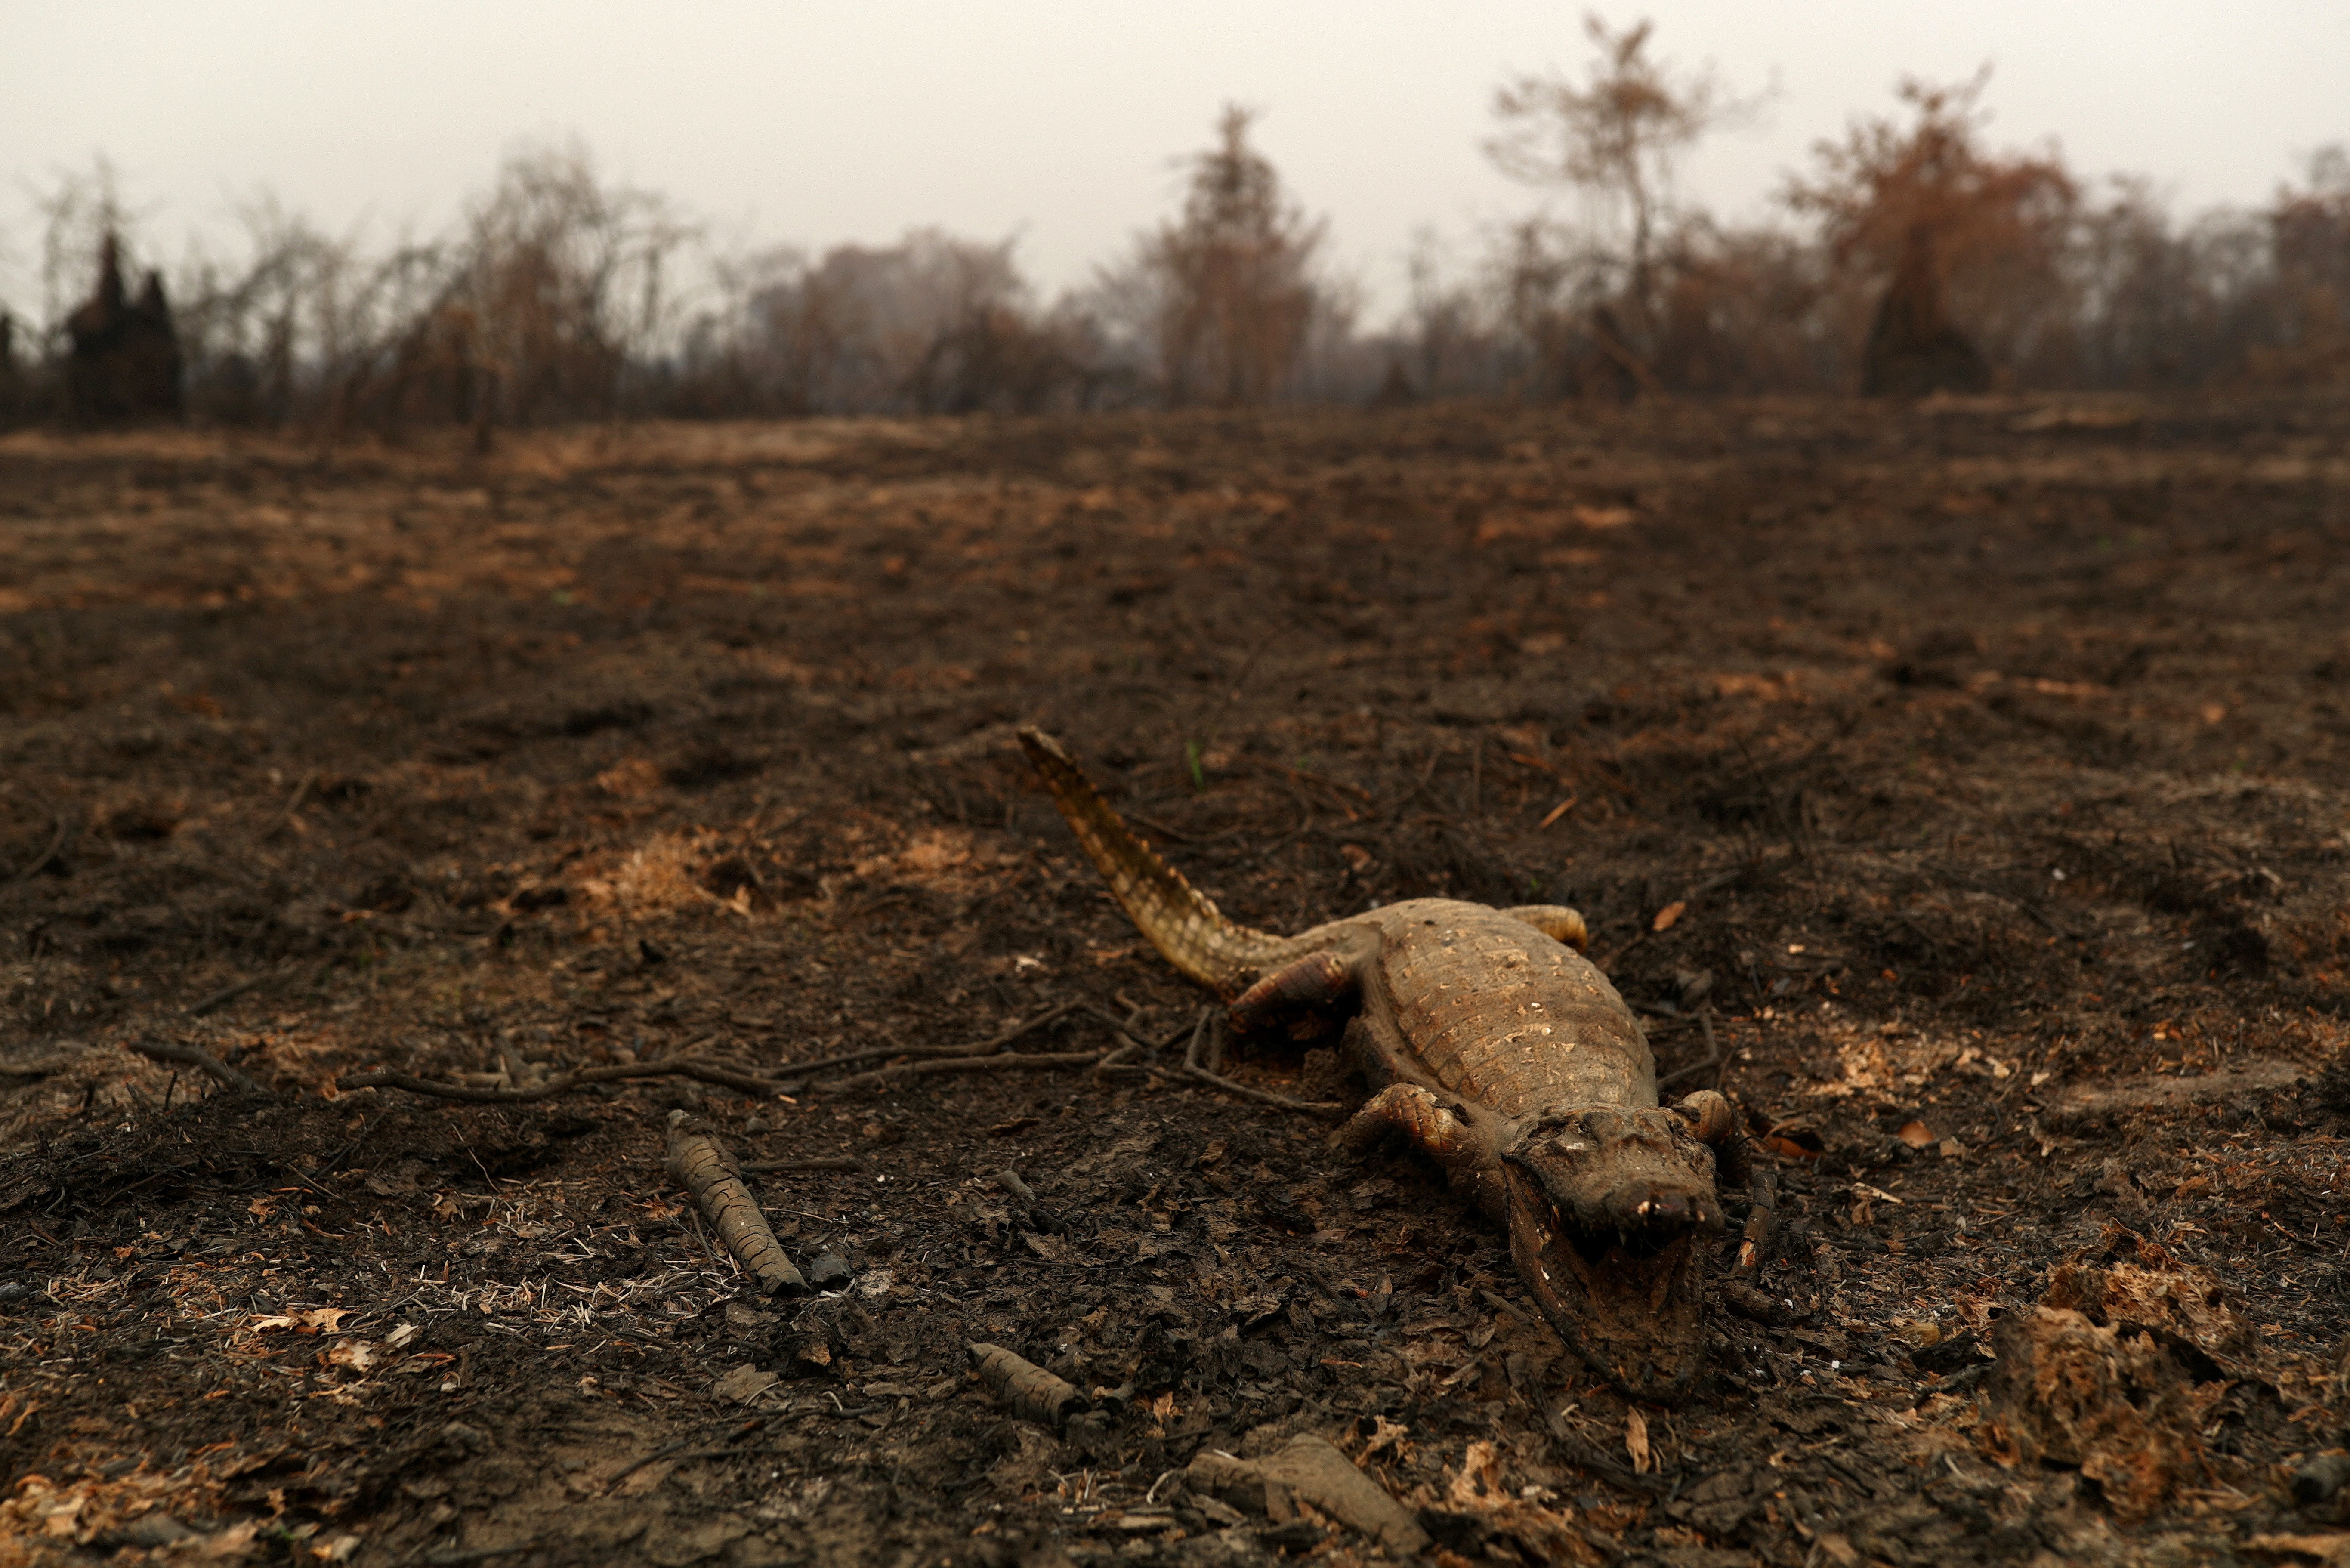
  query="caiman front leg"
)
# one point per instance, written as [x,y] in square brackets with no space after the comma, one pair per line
[1556,921]
[1460,1137]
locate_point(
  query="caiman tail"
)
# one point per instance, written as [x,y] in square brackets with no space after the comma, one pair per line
[1189,932]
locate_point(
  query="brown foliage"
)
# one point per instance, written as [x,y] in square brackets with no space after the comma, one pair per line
[1923,212]
[1234,276]
[1925,259]
[1617,137]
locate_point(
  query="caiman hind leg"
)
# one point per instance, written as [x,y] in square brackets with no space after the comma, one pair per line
[1319,983]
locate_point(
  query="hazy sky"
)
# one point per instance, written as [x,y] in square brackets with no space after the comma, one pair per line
[1060,122]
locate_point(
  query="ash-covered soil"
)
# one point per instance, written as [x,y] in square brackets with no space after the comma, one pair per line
[1965,789]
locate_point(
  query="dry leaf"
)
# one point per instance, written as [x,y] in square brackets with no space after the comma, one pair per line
[1479,1484]
[313,1320]
[1667,915]
[635,776]
[1636,1442]
[744,1384]
[1917,1135]
[356,1354]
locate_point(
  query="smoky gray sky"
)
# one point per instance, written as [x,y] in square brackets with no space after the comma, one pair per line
[1061,123]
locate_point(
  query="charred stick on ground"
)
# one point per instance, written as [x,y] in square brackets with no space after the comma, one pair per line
[821,1162]
[1206,1052]
[1026,1389]
[1031,1206]
[934,1066]
[194,1057]
[977,1048]
[1312,1470]
[706,1072]
[1262,1097]
[678,1448]
[696,1159]
[975,1058]
[57,842]
[225,995]
[1739,1293]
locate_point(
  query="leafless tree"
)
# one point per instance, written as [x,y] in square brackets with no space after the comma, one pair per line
[1233,279]
[1617,137]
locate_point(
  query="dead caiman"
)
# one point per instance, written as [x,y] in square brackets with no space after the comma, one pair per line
[1494,1045]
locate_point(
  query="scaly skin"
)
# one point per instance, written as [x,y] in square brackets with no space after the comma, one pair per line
[1496,1048]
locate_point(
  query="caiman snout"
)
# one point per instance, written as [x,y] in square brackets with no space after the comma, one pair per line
[1642,1204]
[1610,1212]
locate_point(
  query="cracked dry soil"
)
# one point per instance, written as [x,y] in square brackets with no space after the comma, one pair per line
[1975,777]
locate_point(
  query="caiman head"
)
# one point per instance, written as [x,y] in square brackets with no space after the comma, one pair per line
[1610,1210]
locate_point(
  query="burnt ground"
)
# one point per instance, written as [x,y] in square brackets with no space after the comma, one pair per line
[1978,776]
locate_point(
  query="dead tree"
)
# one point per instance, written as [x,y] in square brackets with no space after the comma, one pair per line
[124,361]
[1912,349]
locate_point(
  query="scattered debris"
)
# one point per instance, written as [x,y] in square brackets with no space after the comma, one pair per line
[1026,1389]
[708,1171]
[1308,1469]
[2132,738]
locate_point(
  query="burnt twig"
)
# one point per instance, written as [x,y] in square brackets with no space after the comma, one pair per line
[1059,1010]
[1211,1060]
[705,1072]
[1031,1208]
[1262,1097]
[1027,1389]
[930,1066]
[57,842]
[979,1057]
[301,792]
[1620,1476]
[1192,1056]
[677,1450]
[225,995]
[696,1159]
[1739,1292]
[2031,906]
[194,1057]
[1720,1057]
[1206,1053]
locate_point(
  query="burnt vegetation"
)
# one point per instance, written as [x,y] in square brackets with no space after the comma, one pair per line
[1956,788]
[1953,782]
[1912,256]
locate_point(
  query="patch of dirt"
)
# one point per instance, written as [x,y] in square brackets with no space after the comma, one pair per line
[1963,792]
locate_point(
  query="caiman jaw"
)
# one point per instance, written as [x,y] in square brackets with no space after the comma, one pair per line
[1609,1212]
